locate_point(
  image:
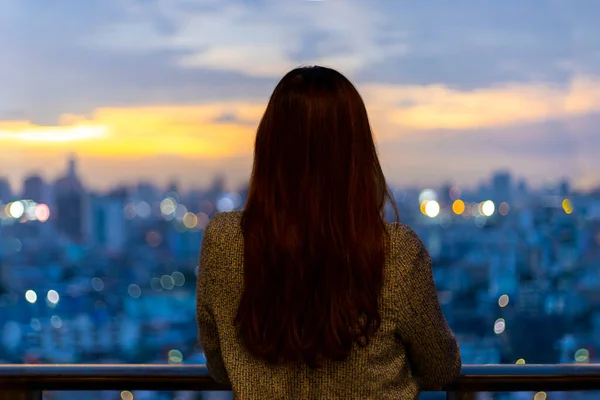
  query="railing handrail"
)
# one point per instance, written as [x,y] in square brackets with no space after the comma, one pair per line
[505,378]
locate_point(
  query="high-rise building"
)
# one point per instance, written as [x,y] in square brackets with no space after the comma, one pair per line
[34,188]
[70,204]
[502,187]
[5,191]
[105,223]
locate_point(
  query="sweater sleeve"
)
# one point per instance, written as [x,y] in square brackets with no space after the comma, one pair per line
[207,327]
[431,345]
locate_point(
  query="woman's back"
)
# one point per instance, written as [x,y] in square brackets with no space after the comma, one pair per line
[412,350]
[308,293]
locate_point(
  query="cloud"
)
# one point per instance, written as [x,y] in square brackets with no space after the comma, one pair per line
[433,107]
[225,128]
[259,40]
[196,130]
[536,119]
[451,88]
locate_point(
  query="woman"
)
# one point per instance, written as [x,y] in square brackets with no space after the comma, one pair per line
[307,293]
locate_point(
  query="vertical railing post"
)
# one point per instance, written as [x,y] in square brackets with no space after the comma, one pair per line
[461,395]
[20,395]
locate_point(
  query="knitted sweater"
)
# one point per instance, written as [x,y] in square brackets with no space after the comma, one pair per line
[413,350]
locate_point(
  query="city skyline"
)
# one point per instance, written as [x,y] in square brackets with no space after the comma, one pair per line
[170,89]
[43,188]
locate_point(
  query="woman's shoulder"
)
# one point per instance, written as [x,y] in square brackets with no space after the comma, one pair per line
[405,244]
[226,219]
[224,225]
[404,234]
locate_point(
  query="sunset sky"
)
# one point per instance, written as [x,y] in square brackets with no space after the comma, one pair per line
[156,89]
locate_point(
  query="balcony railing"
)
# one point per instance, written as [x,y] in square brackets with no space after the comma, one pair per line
[26,382]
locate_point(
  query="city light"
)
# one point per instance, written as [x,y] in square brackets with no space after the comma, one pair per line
[432,209]
[180,212]
[540,396]
[225,204]
[567,206]
[175,357]
[203,220]
[126,395]
[167,206]
[143,209]
[97,284]
[16,209]
[458,207]
[422,207]
[488,208]
[503,209]
[427,195]
[42,212]
[31,296]
[499,326]
[503,300]
[582,356]
[190,220]
[53,296]
[178,278]
[167,282]
[56,321]
[30,209]
[134,291]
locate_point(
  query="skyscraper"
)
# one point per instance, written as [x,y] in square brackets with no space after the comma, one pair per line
[34,188]
[70,203]
[5,191]
[502,187]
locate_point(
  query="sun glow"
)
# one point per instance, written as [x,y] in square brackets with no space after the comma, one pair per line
[61,134]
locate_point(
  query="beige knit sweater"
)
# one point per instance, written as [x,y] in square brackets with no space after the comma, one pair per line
[413,350]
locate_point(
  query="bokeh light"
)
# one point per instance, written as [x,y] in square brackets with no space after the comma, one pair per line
[190,220]
[499,326]
[143,209]
[126,395]
[540,396]
[153,238]
[582,356]
[488,208]
[56,321]
[203,220]
[31,296]
[167,282]
[16,209]
[97,284]
[178,278]
[503,209]
[427,195]
[42,212]
[53,296]
[167,206]
[432,209]
[175,357]
[458,207]
[134,291]
[567,206]
[503,300]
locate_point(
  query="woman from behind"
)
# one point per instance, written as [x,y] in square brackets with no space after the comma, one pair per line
[308,293]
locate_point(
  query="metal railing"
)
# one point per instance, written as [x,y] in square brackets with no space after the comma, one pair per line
[27,382]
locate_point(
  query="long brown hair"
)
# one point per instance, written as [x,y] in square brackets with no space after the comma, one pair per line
[314,233]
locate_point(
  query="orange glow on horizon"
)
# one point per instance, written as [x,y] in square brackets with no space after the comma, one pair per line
[227,129]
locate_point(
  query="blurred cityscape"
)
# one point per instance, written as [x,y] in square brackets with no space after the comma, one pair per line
[90,277]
